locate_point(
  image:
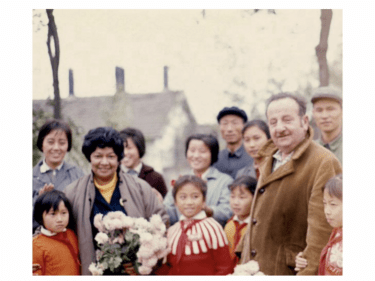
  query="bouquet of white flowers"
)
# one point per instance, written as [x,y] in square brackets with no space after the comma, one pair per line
[122,239]
[250,268]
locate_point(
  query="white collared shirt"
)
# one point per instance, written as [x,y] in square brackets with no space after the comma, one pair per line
[199,216]
[45,168]
[204,175]
[247,220]
[279,162]
[138,168]
[47,232]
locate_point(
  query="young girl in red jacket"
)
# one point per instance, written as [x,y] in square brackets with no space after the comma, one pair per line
[197,243]
[55,249]
[331,256]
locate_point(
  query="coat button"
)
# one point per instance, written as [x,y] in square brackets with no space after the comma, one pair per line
[253,253]
[261,190]
[254,221]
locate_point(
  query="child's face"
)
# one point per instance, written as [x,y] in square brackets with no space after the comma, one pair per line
[332,209]
[56,221]
[189,200]
[240,201]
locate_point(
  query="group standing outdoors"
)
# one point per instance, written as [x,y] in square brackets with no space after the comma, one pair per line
[273,195]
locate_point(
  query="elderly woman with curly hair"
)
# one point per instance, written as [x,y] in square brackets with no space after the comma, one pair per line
[107,188]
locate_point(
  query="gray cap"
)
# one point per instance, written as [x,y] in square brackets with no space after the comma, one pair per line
[327,93]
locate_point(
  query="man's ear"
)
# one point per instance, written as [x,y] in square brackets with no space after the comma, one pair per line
[305,122]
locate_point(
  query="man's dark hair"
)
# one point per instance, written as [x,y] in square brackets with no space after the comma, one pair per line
[137,137]
[209,140]
[49,126]
[103,137]
[301,102]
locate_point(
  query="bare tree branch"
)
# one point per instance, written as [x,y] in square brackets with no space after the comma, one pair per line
[55,60]
[321,48]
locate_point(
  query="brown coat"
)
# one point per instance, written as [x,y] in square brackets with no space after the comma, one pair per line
[287,213]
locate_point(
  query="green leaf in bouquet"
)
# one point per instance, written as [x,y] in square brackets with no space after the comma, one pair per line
[136,266]
[129,235]
[105,265]
[114,263]
[125,250]
[117,261]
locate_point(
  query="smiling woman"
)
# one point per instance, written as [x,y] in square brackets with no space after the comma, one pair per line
[107,189]
[54,140]
[201,153]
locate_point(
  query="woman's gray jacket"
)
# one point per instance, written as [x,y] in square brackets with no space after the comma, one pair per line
[138,200]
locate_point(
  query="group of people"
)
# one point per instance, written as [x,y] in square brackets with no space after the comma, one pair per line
[273,195]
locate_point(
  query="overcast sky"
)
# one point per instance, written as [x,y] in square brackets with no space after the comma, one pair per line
[19,82]
[233,51]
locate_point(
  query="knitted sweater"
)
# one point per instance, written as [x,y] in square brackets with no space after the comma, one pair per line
[331,256]
[57,255]
[198,247]
[234,232]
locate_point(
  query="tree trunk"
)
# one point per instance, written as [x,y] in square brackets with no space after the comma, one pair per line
[321,49]
[55,59]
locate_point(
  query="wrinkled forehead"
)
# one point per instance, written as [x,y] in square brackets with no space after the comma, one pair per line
[284,106]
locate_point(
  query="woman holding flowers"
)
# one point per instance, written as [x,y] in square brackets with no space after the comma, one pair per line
[107,189]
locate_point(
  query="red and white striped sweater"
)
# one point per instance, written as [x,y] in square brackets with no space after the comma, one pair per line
[198,246]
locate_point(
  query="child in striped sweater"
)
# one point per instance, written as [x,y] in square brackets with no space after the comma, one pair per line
[197,243]
[241,196]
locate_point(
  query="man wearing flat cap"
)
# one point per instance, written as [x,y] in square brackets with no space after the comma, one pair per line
[233,157]
[327,112]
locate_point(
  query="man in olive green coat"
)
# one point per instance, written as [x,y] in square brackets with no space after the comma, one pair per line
[287,214]
[327,112]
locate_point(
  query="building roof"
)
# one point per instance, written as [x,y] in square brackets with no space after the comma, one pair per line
[149,111]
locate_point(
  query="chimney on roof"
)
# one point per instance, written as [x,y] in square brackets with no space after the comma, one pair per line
[165,77]
[120,79]
[71,83]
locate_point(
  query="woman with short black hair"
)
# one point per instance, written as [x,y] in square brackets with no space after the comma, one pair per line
[201,152]
[135,148]
[106,189]
[52,172]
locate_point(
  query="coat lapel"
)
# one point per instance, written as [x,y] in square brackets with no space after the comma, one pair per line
[269,149]
[282,171]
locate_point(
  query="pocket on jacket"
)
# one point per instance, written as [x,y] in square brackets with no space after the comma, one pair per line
[285,259]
